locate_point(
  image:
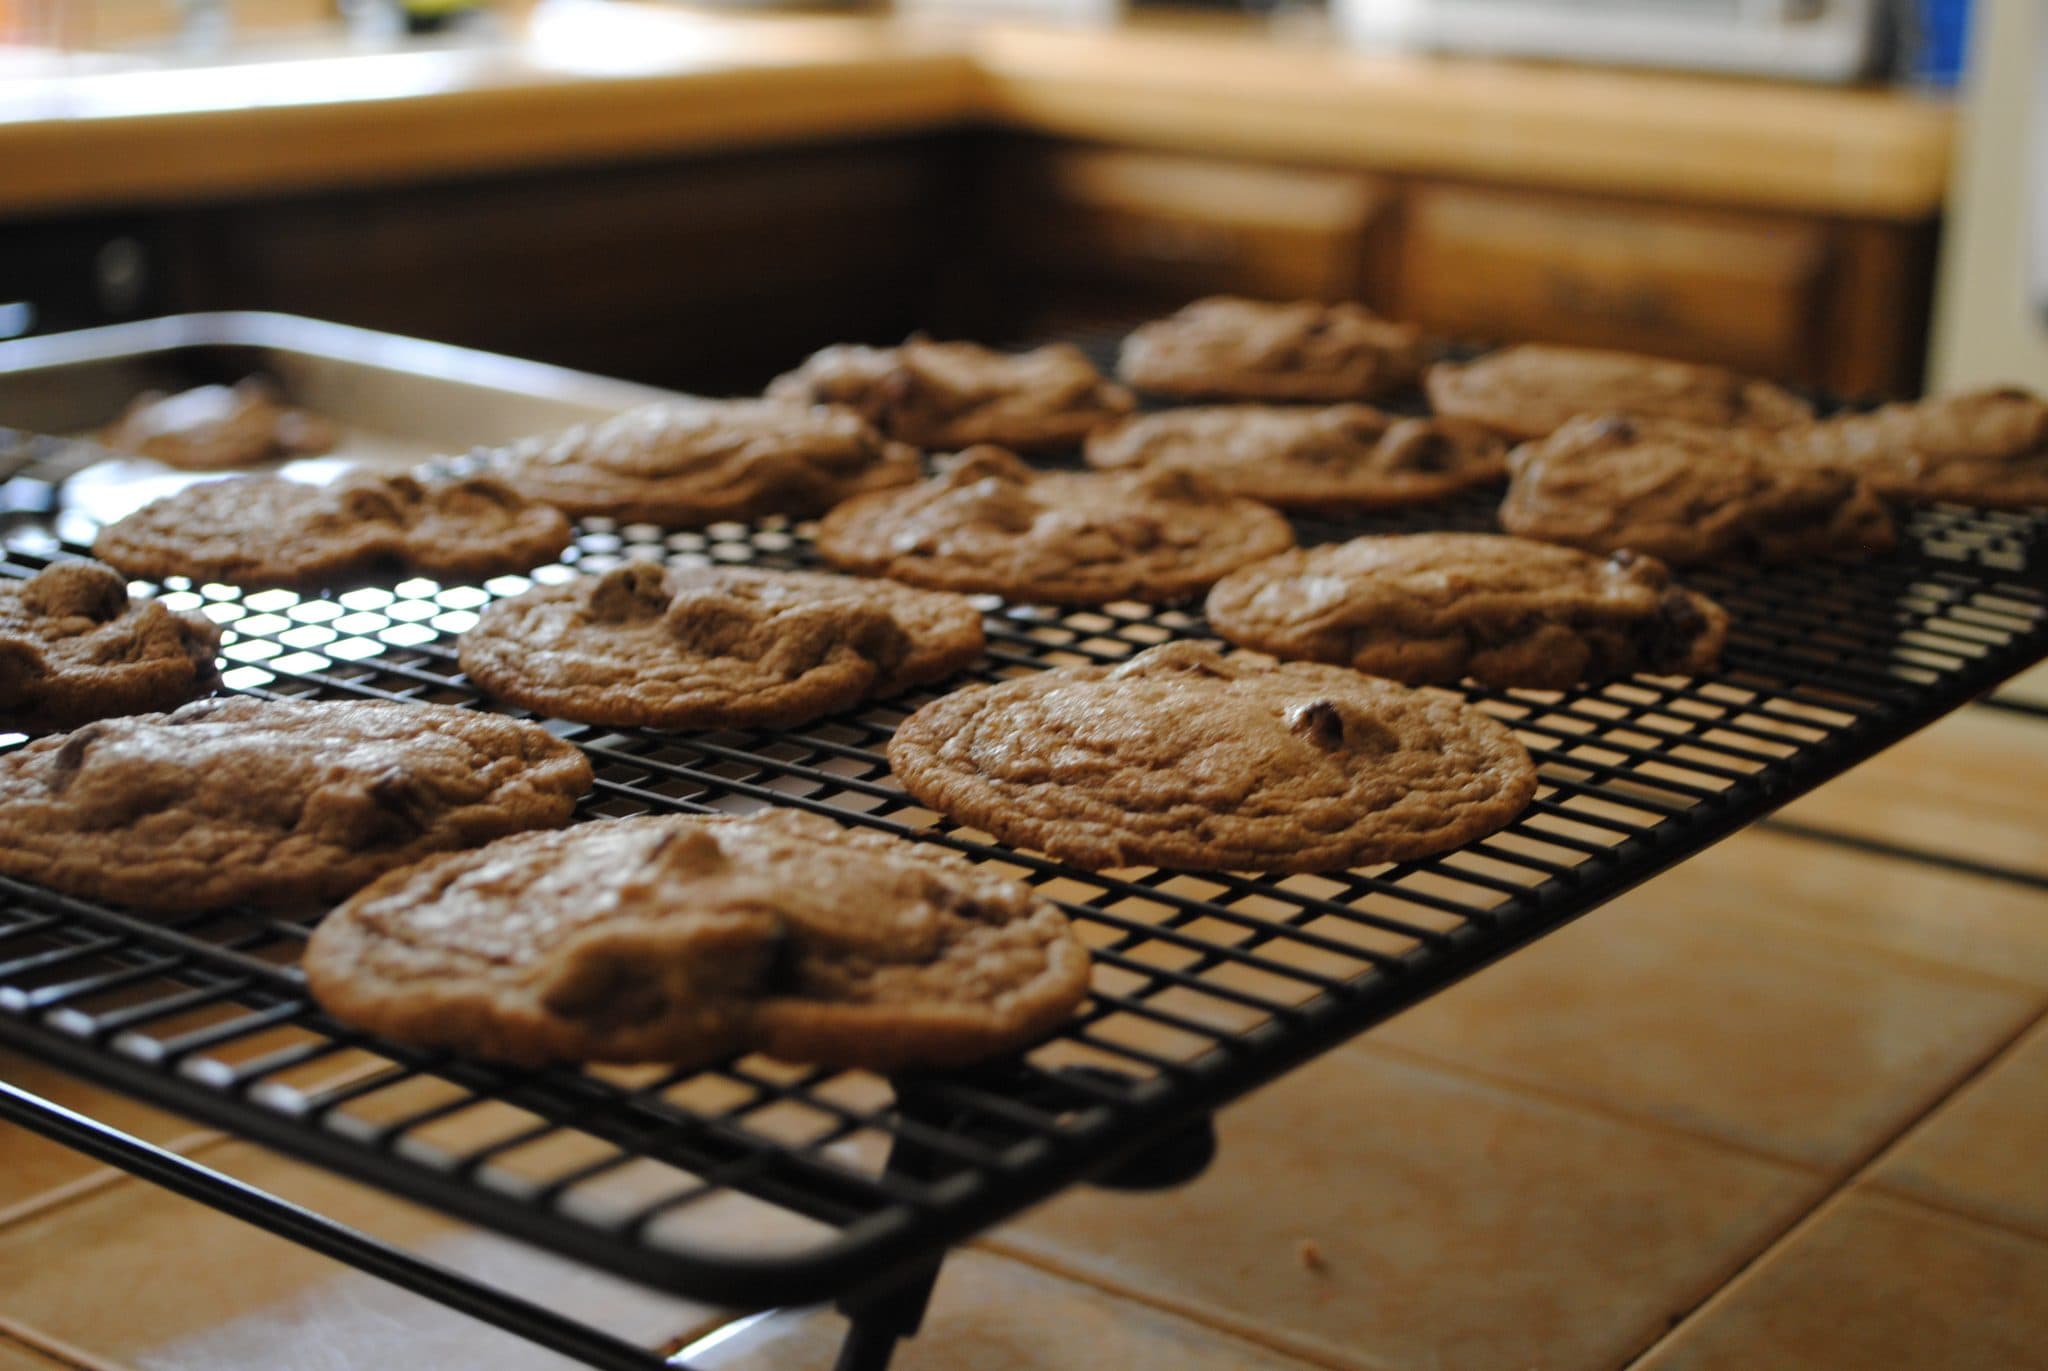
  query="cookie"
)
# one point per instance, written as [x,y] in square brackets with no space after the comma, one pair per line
[266,531]
[211,428]
[1435,608]
[74,647]
[990,523]
[715,647]
[272,803]
[1225,348]
[682,939]
[1688,493]
[1184,758]
[688,463]
[1529,391]
[1343,457]
[1981,447]
[953,395]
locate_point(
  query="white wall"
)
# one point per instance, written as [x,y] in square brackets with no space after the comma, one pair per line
[1987,328]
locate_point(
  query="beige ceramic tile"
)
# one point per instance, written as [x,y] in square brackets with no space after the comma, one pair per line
[1460,1226]
[31,1165]
[1877,1284]
[1813,1049]
[15,1356]
[2030,685]
[1981,1151]
[1969,785]
[204,1292]
[992,1314]
[1992,926]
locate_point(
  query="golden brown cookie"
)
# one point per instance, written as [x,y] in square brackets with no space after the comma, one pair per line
[953,395]
[211,428]
[266,531]
[1530,390]
[682,939]
[1184,758]
[715,647]
[1981,447]
[1688,493]
[1224,348]
[688,463]
[74,647]
[1435,608]
[1340,457]
[271,803]
[990,523]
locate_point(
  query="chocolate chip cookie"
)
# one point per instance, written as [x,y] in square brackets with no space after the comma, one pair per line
[1531,390]
[1688,493]
[1184,758]
[1225,348]
[953,395]
[1434,608]
[259,531]
[1343,457]
[990,523]
[1981,447]
[681,939]
[688,463]
[271,803]
[211,428]
[75,647]
[715,647]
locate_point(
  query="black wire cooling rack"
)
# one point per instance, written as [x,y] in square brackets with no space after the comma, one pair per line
[760,1183]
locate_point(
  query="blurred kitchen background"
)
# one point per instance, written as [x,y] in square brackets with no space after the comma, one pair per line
[1828,191]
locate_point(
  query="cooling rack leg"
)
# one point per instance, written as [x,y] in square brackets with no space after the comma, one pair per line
[188,1178]
[880,1321]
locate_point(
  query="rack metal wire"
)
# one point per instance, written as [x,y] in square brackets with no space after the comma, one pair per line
[760,1183]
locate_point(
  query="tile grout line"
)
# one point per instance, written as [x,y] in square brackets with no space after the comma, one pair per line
[35,1341]
[1828,1202]
[103,1177]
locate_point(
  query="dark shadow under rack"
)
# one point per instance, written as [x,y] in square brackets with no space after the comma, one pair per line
[1207,985]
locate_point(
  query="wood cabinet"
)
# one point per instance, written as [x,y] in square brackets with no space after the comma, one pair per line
[1099,235]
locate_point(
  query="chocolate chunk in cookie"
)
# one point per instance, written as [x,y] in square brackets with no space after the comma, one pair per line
[688,463]
[990,523]
[1982,447]
[1343,457]
[1435,608]
[1225,348]
[271,803]
[715,647]
[1531,390]
[212,428]
[75,647]
[257,531]
[953,395]
[1688,493]
[682,939]
[1184,758]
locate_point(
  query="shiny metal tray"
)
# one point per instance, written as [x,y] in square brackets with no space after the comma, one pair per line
[398,401]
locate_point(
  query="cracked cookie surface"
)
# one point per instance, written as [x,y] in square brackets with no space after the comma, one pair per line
[213,428]
[1227,348]
[1435,608]
[1688,493]
[265,531]
[990,523]
[74,647]
[1340,457]
[270,802]
[1184,758]
[682,939]
[1532,389]
[954,395]
[715,647]
[688,463]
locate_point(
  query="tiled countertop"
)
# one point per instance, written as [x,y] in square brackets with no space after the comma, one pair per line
[1781,1107]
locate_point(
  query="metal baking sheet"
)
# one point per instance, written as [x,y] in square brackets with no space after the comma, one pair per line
[399,401]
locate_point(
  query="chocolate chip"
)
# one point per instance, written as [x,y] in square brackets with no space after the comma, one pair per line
[1319,721]
[407,806]
[1617,427]
[637,590]
[71,755]
[1667,637]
